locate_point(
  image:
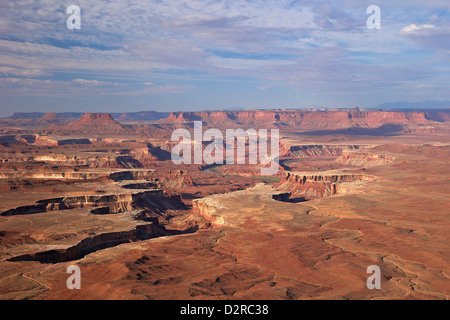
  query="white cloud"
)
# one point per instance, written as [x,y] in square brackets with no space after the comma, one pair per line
[245,64]
[81,87]
[94,83]
[28,55]
[426,86]
[163,89]
[23,72]
[414,29]
[430,36]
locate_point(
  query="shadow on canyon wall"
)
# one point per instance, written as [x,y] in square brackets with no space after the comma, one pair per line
[383,131]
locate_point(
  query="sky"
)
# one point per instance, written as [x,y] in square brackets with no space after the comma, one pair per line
[220,54]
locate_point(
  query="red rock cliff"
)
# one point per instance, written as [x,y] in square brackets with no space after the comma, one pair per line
[307,120]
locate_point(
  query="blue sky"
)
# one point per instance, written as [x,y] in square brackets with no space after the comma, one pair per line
[228,54]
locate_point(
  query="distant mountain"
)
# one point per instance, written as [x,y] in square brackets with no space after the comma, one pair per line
[140,116]
[128,116]
[91,123]
[27,115]
[50,118]
[406,105]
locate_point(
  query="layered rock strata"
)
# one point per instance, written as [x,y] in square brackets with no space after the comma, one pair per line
[321,184]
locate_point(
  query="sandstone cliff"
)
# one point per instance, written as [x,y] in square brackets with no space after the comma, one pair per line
[320,184]
[95,243]
[309,120]
[153,200]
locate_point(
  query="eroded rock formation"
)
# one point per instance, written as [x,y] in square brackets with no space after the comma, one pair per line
[95,243]
[321,184]
[309,120]
[92,123]
[153,200]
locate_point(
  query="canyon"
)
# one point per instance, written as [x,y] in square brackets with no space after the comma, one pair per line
[354,188]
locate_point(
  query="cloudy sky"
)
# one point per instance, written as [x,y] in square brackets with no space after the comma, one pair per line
[220,54]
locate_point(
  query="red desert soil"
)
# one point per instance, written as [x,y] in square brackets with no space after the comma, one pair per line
[140,227]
